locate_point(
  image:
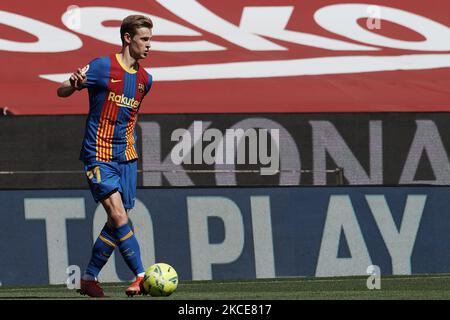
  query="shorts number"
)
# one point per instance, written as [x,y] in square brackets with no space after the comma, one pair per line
[94,172]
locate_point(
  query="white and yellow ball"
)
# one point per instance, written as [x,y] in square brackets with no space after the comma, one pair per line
[160,279]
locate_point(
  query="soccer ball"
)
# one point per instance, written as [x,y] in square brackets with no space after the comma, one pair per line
[160,279]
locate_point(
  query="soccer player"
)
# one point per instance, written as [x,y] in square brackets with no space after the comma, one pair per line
[117,84]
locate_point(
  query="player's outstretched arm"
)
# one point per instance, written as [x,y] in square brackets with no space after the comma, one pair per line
[75,82]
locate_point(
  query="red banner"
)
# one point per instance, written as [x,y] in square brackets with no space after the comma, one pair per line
[237,55]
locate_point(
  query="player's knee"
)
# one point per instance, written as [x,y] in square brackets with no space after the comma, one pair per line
[118,217]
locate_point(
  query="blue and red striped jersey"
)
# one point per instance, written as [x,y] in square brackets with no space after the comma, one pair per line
[115,95]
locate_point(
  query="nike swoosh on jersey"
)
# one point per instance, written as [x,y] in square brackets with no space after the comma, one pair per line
[114,80]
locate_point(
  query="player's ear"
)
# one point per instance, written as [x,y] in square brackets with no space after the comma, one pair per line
[127,38]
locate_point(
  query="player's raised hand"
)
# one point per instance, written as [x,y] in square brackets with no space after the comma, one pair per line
[75,82]
[77,79]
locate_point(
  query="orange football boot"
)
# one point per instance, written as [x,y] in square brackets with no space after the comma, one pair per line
[91,288]
[136,287]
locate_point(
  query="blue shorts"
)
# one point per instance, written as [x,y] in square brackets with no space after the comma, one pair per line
[105,178]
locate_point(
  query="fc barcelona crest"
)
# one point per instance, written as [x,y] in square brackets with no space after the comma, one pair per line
[141,88]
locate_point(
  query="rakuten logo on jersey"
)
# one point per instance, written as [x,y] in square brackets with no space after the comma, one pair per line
[260,29]
[123,101]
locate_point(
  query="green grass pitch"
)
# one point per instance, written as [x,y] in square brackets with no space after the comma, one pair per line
[347,288]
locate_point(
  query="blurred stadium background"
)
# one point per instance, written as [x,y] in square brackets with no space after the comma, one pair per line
[359,94]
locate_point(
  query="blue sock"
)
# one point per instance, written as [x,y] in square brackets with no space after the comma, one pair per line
[129,248]
[102,250]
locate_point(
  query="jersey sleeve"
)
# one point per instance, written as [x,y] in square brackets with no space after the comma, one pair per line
[149,83]
[95,72]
